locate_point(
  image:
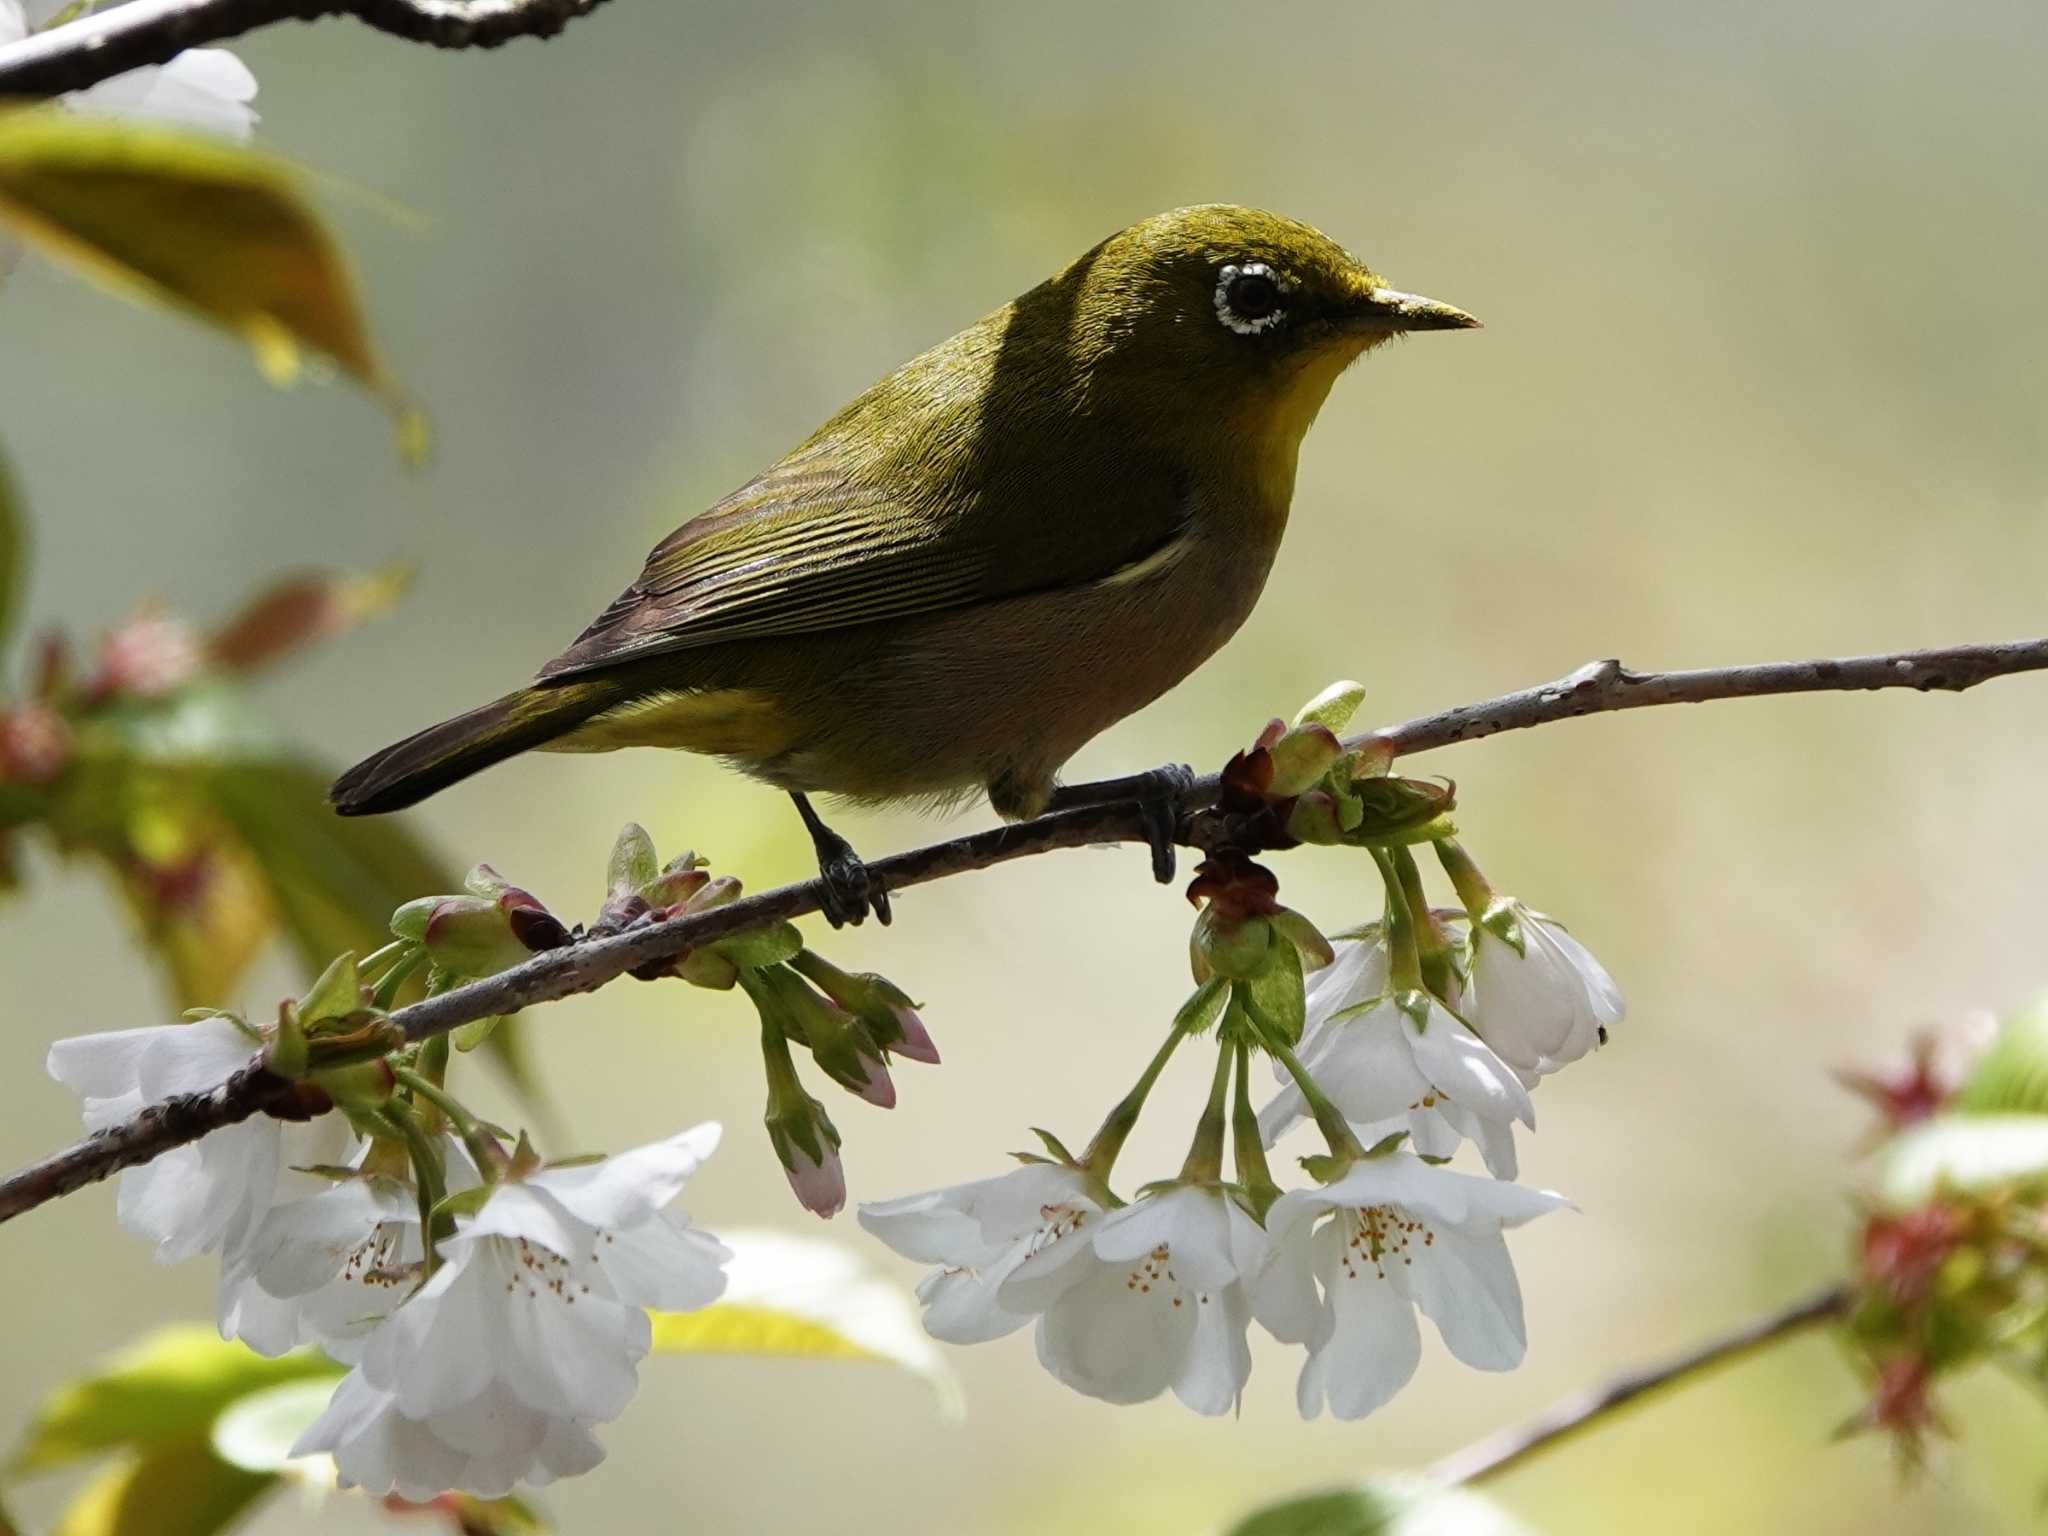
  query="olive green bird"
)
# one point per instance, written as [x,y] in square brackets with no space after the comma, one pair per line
[1001,549]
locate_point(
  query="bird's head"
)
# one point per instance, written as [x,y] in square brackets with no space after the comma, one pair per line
[1253,313]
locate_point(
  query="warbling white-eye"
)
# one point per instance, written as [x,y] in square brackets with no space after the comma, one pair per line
[1005,546]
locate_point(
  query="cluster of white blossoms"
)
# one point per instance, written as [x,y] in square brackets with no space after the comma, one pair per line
[482,1351]
[1418,1034]
[205,88]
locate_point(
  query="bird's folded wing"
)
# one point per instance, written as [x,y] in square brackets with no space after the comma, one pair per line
[800,550]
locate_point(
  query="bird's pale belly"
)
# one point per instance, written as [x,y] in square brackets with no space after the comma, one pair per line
[1002,695]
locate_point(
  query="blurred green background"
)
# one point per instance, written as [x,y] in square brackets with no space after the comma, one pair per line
[1761,378]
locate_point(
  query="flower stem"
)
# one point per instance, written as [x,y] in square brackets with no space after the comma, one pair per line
[1248,1147]
[1204,1163]
[1433,946]
[491,1159]
[427,1177]
[1567,1418]
[1470,884]
[1101,1153]
[1404,958]
[1329,1118]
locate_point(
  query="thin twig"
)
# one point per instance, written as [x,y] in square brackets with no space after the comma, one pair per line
[1562,1420]
[108,43]
[590,963]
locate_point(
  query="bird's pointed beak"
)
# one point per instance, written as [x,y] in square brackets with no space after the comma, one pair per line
[1389,309]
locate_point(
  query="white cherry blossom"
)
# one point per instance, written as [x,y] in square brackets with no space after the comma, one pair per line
[978,1234]
[530,1332]
[1152,1298]
[1351,1263]
[208,1195]
[1406,1062]
[1545,1005]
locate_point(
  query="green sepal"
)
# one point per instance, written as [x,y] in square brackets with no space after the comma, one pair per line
[1315,950]
[1324,1167]
[1203,1008]
[464,1202]
[1387,1144]
[1055,1146]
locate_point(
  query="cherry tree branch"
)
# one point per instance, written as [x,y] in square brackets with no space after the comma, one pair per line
[590,963]
[99,46]
[1581,1411]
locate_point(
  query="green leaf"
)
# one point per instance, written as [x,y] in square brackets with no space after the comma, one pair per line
[256,1432]
[167,1387]
[13,555]
[187,221]
[808,1298]
[177,1488]
[1393,1506]
[2011,1077]
[1964,1153]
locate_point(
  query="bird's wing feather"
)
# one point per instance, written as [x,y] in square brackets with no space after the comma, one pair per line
[801,549]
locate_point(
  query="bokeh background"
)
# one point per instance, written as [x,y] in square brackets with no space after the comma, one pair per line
[1761,378]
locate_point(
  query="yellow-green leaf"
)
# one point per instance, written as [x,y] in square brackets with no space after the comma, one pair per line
[1391,1506]
[2011,1077]
[207,227]
[177,1488]
[1965,1154]
[168,1386]
[808,1297]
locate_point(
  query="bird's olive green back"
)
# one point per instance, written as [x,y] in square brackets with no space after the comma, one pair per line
[1055,442]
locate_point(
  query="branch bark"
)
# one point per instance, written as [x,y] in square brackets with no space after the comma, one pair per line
[1597,688]
[108,43]
[1567,1418]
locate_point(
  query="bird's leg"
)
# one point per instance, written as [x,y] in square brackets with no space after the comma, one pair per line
[851,888]
[1159,794]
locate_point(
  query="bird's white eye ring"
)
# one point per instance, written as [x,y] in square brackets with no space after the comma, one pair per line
[1250,297]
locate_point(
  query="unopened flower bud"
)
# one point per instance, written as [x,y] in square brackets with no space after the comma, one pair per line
[1301,757]
[149,656]
[470,936]
[633,863]
[1333,707]
[886,1010]
[1403,810]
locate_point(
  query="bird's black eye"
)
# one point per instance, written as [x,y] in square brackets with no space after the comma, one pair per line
[1254,297]
[1249,298]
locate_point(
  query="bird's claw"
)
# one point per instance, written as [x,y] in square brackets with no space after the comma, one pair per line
[852,890]
[1161,804]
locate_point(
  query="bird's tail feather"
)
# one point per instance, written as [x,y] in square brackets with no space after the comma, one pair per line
[409,771]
